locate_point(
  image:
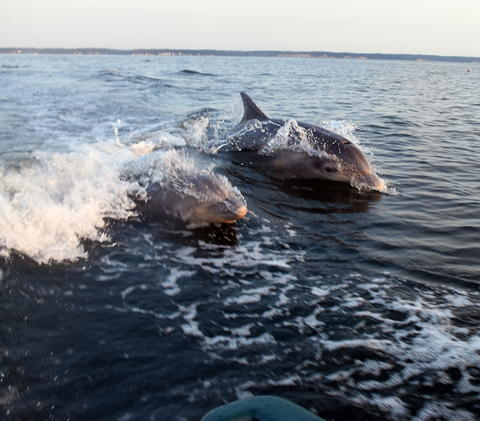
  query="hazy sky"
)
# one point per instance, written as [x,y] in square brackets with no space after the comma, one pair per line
[443,27]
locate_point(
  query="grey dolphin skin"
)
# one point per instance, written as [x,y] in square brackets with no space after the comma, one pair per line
[168,183]
[195,198]
[289,149]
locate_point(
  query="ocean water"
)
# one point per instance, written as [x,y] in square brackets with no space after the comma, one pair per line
[358,305]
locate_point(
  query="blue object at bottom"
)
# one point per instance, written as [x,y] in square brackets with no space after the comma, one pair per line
[261,408]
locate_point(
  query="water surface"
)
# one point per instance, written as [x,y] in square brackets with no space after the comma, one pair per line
[354,304]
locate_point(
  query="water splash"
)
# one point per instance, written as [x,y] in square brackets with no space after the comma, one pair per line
[51,201]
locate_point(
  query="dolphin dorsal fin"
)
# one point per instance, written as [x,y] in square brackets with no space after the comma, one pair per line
[250,109]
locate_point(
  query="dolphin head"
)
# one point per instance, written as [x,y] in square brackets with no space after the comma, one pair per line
[345,162]
[335,160]
[207,198]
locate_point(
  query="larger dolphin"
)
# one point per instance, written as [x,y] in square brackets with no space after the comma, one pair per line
[290,149]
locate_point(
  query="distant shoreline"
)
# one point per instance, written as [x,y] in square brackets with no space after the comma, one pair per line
[233,53]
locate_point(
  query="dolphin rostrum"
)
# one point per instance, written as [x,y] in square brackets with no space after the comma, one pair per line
[288,149]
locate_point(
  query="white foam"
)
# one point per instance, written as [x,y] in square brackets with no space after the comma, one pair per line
[458,300]
[286,381]
[53,200]
[343,128]
[312,322]
[224,342]
[375,344]
[390,404]
[195,131]
[170,284]
[243,330]
[242,392]
[249,254]
[440,410]
[160,140]
[250,296]
[320,292]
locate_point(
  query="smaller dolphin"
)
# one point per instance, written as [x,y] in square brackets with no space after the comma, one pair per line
[291,149]
[172,185]
[195,198]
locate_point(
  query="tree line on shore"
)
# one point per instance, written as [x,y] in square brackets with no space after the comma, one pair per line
[233,53]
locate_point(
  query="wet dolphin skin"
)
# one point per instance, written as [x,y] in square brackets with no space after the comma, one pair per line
[291,149]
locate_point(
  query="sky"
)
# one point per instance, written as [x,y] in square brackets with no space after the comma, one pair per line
[436,27]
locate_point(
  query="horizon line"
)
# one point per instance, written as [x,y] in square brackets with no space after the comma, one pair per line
[251,53]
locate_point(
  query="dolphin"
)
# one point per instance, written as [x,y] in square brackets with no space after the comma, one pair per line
[289,149]
[170,184]
[195,198]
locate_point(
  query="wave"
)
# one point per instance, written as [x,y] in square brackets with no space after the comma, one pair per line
[112,75]
[193,72]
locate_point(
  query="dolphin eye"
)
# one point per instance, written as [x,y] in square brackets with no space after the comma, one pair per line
[331,169]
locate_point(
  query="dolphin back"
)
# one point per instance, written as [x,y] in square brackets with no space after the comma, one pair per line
[253,131]
[251,110]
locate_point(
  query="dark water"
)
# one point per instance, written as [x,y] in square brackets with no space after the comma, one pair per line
[357,305]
